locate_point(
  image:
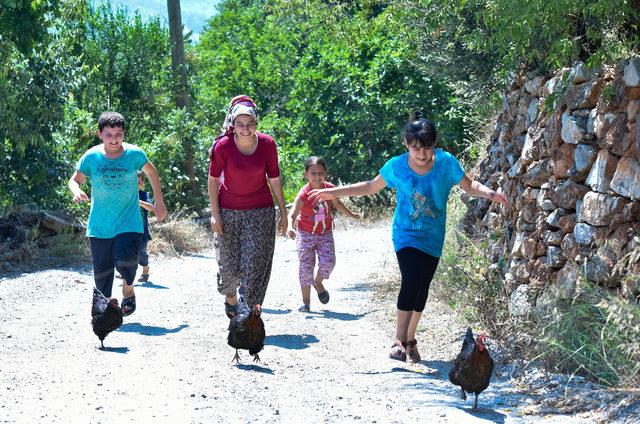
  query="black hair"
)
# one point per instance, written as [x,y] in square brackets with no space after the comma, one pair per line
[419,131]
[110,119]
[314,160]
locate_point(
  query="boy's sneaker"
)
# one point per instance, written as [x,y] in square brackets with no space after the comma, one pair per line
[143,278]
[304,308]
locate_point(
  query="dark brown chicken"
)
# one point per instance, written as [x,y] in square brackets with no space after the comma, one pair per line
[106,315]
[246,331]
[472,368]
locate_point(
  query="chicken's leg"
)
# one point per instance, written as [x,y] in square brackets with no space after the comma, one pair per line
[475,403]
[256,358]
[102,344]
[236,357]
[463,395]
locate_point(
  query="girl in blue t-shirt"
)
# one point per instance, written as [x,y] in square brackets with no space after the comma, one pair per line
[423,178]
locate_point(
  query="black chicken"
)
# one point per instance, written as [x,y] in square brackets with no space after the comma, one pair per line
[106,315]
[472,368]
[246,331]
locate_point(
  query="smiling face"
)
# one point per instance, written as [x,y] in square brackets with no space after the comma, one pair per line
[316,175]
[245,126]
[419,156]
[112,137]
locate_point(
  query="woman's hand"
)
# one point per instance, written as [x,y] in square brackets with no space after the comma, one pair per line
[216,223]
[291,233]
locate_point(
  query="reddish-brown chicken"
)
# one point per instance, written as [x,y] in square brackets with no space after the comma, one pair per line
[246,331]
[472,368]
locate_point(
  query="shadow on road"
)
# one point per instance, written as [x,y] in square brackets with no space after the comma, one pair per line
[276,311]
[360,287]
[150,330]
[291,341]
[151,285]
[342,316]
[253,367]
[115,349]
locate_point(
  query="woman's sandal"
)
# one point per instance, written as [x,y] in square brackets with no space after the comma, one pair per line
[230,310]
[128,305]
[398,351]
[412,351]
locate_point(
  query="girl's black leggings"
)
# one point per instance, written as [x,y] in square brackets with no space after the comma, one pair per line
[417,269]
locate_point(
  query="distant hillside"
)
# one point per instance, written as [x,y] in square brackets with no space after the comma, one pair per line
[195,13]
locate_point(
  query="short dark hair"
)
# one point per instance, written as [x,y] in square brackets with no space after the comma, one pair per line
[110,119]
[419,131]
[314,160]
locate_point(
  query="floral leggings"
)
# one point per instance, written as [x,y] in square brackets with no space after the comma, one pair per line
[245,252]
[310,244]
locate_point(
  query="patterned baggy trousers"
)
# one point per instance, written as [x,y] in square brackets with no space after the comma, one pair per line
[245,252]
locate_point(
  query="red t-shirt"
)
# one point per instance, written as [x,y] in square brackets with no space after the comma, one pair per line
[244,182]
[315,219]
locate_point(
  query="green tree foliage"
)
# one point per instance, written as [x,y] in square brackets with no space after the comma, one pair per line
[24,23]
[332,80]
[35,77]
[476,44]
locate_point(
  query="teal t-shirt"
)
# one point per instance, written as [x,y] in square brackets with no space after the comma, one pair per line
[114,190]
[421,201]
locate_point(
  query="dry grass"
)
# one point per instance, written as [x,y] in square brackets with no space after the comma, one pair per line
[179,234]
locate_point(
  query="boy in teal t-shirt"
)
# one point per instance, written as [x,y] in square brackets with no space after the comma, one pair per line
[115,223]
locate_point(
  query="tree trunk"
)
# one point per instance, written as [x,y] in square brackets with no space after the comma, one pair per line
[177,54]
[181,92]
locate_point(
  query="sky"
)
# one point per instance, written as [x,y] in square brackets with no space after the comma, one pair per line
[195,13]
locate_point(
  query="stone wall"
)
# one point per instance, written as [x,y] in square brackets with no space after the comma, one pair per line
[566,152]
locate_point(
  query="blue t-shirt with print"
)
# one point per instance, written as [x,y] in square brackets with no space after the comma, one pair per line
[114,190]
[421,201]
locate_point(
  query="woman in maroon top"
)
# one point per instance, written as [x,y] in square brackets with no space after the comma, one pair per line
[243,174]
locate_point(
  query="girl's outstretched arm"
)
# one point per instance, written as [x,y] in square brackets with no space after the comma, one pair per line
[477,189]
[364,188]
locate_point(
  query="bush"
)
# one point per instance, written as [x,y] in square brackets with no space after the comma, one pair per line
[596,334]
[465,278]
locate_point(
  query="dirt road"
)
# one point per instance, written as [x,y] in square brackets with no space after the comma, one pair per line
[170,362]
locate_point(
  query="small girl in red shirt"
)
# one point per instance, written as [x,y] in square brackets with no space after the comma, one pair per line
[315,235]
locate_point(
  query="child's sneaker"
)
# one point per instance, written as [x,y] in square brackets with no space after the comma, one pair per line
[323,297]
[304,308]
[143,278]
